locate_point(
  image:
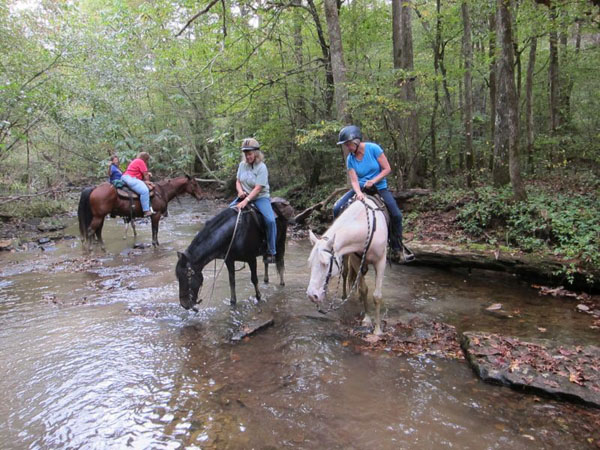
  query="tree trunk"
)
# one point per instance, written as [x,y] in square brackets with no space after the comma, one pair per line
[492,69]
[529,102]
[338,67]
[436,94]
[468,101]
[403,59]
[329,84]
[506,152]
[554,83]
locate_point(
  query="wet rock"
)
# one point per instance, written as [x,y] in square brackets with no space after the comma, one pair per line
[537,366]
[52,224]
[412,335]
[43,240]
[6,244]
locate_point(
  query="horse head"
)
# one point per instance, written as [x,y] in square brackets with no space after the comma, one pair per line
[190,281]
[324,264]
[193,188]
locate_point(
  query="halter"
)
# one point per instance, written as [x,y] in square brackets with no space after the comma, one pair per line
[370,233]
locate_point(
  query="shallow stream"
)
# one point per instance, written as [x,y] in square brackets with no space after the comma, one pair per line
[96,352]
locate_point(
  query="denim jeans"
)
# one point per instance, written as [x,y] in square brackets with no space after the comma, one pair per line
[140,188]
[392,206]
[264,206]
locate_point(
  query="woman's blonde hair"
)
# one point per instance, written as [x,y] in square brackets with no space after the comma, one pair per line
[258,158]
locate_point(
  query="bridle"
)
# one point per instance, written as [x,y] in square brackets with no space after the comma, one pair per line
[190,272]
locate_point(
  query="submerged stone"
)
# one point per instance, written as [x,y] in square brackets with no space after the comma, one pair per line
[542,367]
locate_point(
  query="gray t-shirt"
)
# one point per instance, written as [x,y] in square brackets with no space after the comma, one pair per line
[252,174]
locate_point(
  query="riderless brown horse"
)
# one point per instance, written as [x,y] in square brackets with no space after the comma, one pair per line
[96,202]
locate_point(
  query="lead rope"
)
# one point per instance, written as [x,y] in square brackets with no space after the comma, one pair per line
[370,232]
[205,304]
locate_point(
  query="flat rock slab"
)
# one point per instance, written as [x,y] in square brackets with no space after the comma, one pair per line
[541,367]
[413,336]
[251,327]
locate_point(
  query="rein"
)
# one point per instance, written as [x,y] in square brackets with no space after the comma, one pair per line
[370,233]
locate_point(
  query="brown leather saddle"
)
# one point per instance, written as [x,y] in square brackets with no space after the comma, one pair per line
[128,194]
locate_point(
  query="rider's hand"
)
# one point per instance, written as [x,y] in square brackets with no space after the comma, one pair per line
[242,204]
[369,184]
[360,196]
[242,195]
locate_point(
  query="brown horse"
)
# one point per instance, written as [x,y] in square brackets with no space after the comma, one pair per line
[96,202]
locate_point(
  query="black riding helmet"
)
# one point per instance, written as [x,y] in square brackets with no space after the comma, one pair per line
[349,133]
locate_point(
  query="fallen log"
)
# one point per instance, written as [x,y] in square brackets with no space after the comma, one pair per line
[529,266]
[252,327]
[399,196]
[301,217]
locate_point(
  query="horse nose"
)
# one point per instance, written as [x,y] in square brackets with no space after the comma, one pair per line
[312,297]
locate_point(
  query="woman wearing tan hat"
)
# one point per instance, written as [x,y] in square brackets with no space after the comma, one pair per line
[252,185]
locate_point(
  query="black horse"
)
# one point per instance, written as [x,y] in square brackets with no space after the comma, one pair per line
[215,241]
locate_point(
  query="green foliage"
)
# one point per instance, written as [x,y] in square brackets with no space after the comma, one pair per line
[35,208]
[567,225]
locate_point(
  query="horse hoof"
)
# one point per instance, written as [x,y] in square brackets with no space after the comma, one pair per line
[282,283]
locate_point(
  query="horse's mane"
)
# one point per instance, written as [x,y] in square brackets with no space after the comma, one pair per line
[213,225]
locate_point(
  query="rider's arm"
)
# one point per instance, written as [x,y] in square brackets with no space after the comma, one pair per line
[251,196]
[385,171]
[355,184]
[240,191]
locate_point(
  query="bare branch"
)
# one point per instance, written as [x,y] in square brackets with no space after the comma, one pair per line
[204,11]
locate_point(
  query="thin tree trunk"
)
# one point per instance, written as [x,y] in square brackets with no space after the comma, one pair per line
[492,69]
[468,103]
[338,66]
[506,152]
[436,93]
[529,103]
[553,79]
[329,84]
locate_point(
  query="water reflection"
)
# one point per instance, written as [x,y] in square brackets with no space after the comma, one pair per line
[98,353]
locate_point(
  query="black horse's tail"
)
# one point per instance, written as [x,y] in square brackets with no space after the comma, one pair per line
[84,212]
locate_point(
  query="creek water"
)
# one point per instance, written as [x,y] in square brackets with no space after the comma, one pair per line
[96,352]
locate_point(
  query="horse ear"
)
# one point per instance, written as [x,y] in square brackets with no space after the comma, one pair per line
[330,242]
[180,255]
[313,238]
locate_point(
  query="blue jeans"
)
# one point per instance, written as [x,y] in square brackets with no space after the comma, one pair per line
[140,188]
[264,206]
[392,206]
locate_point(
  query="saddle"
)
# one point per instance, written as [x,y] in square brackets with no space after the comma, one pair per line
[125,192]
[281,207]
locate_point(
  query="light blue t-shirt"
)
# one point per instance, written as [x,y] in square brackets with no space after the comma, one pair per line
[368,167]
[252,174]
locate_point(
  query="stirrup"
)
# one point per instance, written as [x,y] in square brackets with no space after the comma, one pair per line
[407,254]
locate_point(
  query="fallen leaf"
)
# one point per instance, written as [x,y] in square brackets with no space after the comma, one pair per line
[371,338]
[542,329]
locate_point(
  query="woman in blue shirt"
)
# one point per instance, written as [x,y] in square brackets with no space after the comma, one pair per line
[114,173]
[367,168]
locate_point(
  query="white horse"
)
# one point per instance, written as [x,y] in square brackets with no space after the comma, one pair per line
[361,227]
